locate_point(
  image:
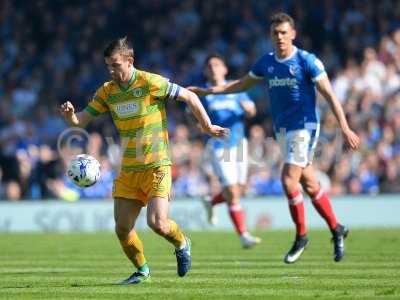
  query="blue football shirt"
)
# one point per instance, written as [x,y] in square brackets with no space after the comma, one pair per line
[225,110]
[291,87]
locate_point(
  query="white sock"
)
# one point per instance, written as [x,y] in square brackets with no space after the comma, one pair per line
[245,234]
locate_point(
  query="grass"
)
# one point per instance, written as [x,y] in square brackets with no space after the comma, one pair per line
[86,266]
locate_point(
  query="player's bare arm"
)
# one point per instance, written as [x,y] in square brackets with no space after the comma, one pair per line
[325,88]
[80,119]
[200,114]
[234,86]
[249,108]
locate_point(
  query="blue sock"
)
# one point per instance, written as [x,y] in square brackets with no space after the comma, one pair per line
[144,269]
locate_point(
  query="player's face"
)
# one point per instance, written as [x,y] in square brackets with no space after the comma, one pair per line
[282,36]
[119,66]
[216,69]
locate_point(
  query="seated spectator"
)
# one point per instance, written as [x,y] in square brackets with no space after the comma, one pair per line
[64,50]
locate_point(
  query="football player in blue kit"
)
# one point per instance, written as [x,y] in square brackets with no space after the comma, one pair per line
[291,76]
[228,156]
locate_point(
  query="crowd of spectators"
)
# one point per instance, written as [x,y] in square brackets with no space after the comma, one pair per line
[51,51]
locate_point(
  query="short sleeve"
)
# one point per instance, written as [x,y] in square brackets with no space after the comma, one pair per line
[173,91]
[257,71]
[161,88]
[98,103]
[315,68]
[244,97]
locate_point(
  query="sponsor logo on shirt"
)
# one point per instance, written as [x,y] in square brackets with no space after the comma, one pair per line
[127,109]
[227,104]
[282,82]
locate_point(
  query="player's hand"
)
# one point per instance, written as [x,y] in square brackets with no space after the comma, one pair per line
[67,110]
[216,131]
[199,91]
[351,139]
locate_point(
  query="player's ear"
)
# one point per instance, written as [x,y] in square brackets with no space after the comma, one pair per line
[226,70]
[130,59]
[294,34]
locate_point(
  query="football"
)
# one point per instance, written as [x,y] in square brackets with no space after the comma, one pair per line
[84,170]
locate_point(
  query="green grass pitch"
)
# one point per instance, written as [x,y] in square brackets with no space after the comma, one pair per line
[86,266]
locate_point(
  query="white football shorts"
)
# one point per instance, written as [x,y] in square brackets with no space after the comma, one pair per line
[298,146]
[229,163]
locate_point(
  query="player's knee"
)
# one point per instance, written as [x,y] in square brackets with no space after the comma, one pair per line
[308,189]
[234,199]
[122,232]
[159,225]
[232,194]
[228,195]
[311,189]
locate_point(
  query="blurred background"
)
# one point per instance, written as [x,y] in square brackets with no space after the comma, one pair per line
[51,51]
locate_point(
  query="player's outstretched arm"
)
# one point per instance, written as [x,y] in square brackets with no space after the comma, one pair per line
[325,88]
[234,86]
[80,119]
[249,108]
[200,114]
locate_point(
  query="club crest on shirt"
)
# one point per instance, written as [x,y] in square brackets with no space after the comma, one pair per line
[294,70]
[138,92]
[270,69]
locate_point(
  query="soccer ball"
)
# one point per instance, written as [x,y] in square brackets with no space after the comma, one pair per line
[84,170]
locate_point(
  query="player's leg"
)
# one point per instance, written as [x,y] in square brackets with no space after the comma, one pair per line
[218,199]
[319,197]
[215,156]
[230,165]
[127,205]
[290,180]
[322,204]
[209,204]
[242,163]
[237,215]
[157,219]
[159,188]
[126,212]
[294,147]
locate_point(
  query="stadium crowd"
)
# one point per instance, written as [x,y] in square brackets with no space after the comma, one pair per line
[51,51]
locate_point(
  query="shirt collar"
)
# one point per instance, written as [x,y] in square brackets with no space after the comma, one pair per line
[287,58]
[131,80]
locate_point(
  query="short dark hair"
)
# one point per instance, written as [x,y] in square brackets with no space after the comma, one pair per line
[280,18]
[121,45]
[214,55]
